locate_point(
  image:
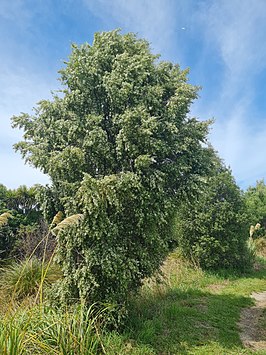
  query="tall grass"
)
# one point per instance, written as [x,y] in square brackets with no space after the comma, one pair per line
[23,279]
[44,330]
[28,324]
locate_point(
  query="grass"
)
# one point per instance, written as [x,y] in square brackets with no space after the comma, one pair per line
[43,330]
[189,312]
[21,279]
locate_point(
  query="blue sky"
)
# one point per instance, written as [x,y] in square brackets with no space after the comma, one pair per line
[222,41]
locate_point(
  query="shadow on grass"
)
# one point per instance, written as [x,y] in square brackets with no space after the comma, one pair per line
[177,322]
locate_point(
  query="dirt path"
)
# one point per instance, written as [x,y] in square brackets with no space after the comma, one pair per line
[249,323]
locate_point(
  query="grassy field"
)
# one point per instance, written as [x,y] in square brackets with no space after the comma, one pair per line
[188,312]
[191,312]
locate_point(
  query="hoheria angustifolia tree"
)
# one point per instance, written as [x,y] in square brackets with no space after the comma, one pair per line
[121,150]
[213,228]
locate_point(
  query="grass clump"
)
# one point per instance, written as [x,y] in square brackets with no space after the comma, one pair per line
[22,279]
[44,330]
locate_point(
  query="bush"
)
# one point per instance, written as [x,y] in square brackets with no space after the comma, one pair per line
[24,208]
[34,241]
[255,199]
[213,230]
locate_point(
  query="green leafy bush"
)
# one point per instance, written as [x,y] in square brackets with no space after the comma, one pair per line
[213,229]
[255,199]
[23,206]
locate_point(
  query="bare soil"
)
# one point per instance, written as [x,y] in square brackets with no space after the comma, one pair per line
[251,333]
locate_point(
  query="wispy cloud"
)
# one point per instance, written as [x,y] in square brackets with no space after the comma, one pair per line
[19,92]
[22,84]
[236,29]
[223,41]
[14,10]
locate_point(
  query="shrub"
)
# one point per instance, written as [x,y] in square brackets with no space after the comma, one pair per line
[213,230]
[24,208]
[35,241]
[255,199]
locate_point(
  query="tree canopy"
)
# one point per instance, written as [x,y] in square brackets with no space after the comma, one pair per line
[122,150]
[213,228]
[22,204]
[255,198]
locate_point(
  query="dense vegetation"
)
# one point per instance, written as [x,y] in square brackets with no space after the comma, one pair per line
[212,229]
[255,198]
[133,178]
[121,151]
[25,216]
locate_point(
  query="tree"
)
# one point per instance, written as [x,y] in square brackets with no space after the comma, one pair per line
[120,150]
[24,208]
[255,199]
[213,229]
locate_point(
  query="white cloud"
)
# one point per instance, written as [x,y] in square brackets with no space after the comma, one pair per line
[20,90]
[14,172]
[23,82]
[233,30]
[237,30]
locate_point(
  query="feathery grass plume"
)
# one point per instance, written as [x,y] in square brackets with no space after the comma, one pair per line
[69,221]
[57,218]
[251,231]
[4,218]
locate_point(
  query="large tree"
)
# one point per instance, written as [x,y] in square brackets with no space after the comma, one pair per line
[121,150]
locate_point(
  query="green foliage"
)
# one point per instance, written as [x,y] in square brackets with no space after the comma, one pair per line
[191,312]
[255,199]
[260,246]
[23,205]
[120,150]
[22,279]
[44,330]
[213,228]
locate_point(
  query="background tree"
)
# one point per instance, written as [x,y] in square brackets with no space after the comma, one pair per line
[255,199]
[213,228]
[24,208]
[120,150]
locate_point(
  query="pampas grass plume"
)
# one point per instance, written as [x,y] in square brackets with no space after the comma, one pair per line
[69,221]
[4,218]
